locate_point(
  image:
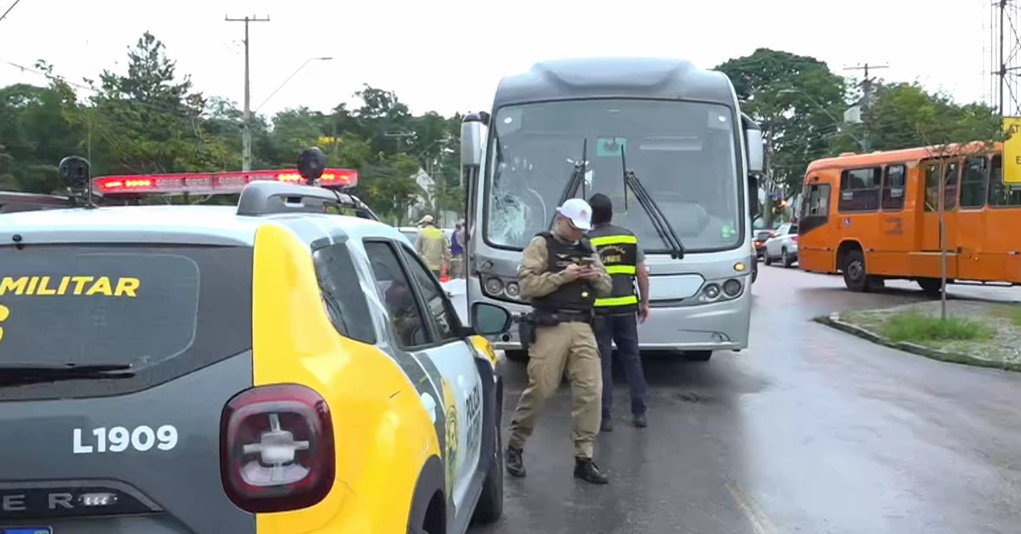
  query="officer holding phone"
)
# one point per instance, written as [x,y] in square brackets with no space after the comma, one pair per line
[562,276]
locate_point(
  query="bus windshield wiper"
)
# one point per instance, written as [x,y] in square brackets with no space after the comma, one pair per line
[659,221]
[30,372]
[577,179]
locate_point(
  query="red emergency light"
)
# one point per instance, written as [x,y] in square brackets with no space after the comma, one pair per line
[211,183]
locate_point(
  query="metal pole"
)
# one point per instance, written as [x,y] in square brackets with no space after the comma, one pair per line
[246,135]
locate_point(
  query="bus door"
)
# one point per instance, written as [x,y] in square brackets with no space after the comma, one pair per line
[928,256]
[1003,217]
[977,258]
[894,240]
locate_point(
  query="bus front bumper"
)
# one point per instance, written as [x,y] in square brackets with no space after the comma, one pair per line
[717,326]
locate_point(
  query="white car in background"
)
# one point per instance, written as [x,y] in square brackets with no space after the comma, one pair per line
[783,246]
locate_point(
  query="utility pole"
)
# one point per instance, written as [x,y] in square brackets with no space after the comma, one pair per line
[246,139]
[866,100]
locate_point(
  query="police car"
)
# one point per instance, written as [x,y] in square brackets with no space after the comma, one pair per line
[262,368]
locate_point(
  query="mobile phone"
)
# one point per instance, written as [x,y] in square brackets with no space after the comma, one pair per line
[585,262]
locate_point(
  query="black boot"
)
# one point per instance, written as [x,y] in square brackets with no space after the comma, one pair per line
[587,470]
[515,464]
[640,421]
[606,425]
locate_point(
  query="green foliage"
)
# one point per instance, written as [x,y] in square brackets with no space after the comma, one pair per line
[800,103]
[148,118]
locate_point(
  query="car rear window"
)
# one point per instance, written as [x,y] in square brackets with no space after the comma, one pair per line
[762,235]
[165,311]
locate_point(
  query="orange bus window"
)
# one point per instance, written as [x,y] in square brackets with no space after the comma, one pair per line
[893,188]
[859,189]
[974,182]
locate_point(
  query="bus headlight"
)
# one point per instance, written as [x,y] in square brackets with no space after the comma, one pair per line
[494,286]
[711,291]
[732,288]
[512,290]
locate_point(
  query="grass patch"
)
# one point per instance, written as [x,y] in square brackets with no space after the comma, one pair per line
[1010,313]
[916,327]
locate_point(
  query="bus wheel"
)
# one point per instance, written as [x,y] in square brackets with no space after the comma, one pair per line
[855,277]
[930,286]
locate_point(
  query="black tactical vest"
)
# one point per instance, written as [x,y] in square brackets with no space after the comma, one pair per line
[577,295]
[619,253]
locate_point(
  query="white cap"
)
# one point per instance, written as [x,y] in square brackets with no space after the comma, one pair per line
[578,211]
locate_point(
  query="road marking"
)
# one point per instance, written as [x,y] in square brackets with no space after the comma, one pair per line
[758,520]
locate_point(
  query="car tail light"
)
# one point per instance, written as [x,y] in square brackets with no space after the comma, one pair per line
[276,448]
[794,238]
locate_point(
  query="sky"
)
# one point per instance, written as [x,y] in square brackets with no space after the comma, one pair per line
[449,55]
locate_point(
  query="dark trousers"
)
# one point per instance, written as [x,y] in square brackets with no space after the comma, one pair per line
[622,329]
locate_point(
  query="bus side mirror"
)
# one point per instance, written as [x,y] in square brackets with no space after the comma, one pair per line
[753,143]
[471,140]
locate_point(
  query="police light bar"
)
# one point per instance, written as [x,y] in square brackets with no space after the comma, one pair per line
[211,183]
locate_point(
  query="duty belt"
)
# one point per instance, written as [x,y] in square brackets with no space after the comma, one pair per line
[563,316]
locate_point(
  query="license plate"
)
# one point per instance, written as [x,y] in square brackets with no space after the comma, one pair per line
[26,530]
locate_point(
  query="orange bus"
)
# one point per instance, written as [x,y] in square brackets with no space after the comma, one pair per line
[874,217]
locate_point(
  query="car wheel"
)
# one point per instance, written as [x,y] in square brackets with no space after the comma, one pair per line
[766,259]
[785,258]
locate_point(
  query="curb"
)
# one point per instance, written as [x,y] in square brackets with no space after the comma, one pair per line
[833,321]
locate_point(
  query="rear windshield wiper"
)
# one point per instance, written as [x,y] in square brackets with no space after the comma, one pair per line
[28,372]
[659,221]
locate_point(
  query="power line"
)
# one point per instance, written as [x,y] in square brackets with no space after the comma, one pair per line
[2,17]
[246,154]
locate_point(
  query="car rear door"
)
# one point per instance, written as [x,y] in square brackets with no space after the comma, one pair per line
[132,453]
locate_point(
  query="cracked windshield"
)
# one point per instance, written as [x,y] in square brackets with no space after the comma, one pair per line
[453,267]
[684,154]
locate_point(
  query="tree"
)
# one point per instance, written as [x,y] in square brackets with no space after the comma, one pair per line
[796,99]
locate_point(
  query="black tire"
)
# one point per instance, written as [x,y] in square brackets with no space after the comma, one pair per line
[517,355]
[785,258]
[930,286]
[698,355]
[766,259]
[490,505]
[856,277]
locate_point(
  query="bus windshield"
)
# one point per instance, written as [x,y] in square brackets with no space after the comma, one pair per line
[683,153]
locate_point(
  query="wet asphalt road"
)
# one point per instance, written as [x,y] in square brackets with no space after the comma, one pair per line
[810,431]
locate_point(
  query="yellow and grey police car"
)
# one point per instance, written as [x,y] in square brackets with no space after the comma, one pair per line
[264,368]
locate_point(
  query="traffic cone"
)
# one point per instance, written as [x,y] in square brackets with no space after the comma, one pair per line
[443,275]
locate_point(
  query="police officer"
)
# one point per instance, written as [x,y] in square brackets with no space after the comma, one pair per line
[618,315]
[562,275]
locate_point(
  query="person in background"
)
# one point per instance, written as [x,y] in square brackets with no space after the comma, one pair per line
[562,276]
[431,245]
[618,315]
[457,251]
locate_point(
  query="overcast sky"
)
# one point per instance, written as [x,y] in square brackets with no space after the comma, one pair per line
[448,55]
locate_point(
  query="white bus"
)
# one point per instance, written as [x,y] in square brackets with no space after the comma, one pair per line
[667,142]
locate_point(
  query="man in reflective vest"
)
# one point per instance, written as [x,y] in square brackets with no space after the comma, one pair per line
[562,276]
[431,245]
[618,315]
